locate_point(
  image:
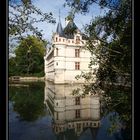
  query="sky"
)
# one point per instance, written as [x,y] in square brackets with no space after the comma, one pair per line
[54,6]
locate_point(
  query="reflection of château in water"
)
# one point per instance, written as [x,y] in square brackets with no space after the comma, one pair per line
[72,113]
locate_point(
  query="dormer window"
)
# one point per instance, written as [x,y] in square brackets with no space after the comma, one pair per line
[77,39]
[56,39]
[59,39]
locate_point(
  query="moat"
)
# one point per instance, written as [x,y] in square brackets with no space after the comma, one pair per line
[45,111]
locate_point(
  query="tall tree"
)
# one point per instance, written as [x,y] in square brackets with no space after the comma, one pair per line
[113,54]
[29,56]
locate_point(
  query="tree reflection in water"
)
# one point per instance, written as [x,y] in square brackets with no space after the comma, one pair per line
[28,101]
[51,112]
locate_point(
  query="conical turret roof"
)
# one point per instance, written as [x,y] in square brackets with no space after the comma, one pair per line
[59,29]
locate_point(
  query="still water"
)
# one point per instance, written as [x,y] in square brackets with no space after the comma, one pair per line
[44,111]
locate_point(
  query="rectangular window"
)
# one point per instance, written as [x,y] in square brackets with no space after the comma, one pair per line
[77,65]
[77,53]
[83,124]
[56,51]
[56,115]
[77,101]
[78,127]
[77,113]
[56,129]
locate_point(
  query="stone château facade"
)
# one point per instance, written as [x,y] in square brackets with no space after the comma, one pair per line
[71,112]
[67,56]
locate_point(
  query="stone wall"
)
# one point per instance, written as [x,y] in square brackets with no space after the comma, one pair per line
[18,78]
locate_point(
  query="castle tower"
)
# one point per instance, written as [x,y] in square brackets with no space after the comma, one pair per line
[67,56]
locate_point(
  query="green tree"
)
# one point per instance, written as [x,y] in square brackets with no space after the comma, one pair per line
[12,66]
[29,57]
[113,54]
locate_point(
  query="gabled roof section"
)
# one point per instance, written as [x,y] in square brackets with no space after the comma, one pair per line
[70,29]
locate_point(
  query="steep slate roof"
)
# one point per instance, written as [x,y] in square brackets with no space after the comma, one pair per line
[59,29]
[70,29]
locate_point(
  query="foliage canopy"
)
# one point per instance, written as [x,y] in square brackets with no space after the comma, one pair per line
[29,58]
[113,54]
